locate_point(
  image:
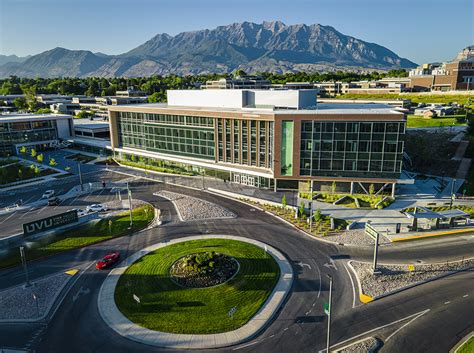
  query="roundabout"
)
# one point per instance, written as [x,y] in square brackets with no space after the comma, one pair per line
[196,292]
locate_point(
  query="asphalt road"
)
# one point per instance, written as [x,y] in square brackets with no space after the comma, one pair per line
[300,326]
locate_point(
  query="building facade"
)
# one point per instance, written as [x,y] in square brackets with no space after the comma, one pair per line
[266,138]
[38,131]
[455,75]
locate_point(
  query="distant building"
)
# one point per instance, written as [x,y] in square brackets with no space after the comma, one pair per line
[455,75]
[240,82]
[130,92]
[38,131]
[98,105]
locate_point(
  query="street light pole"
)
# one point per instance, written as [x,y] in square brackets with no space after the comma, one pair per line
[329,314]
[25,268]
[130,205]
[80,176]
[311,207]
[452,193]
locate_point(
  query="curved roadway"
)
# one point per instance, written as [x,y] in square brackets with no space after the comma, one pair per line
[408,321]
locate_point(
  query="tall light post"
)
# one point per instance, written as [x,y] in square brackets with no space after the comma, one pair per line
[130,205]
[329,314]
[25,268]
[311,207]
[452,193]
[80,175]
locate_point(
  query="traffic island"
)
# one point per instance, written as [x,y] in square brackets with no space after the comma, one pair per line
[392,279]
[196,292]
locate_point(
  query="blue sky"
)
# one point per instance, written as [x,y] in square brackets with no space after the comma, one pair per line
[420,30]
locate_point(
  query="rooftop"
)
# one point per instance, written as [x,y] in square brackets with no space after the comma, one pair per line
[319,108]
[32,117]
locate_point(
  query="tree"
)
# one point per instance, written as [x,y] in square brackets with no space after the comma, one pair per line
[39,158]
[84,114]
[283,201]
[33,152]
[317,215]
[333,187]
[23,150]
[371,189]
[30,96]
[20,173]
[157,97]
[20,103]
[52,162]
[239,72]
[301,210]
[37,170]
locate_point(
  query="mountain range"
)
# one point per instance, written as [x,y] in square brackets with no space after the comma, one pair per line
[266,47]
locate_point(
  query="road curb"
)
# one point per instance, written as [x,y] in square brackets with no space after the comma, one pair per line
[463,340]
[365,298]
[112,316]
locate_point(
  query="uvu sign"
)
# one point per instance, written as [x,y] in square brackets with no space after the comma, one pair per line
[49,223]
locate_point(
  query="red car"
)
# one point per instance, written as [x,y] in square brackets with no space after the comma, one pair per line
[108,260]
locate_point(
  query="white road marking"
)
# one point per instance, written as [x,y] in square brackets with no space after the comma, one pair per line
[8,217]
[80,292]
[246,345]
[353,287]
[303,265]
[447,302]
[465,295]
[331,264]
[380,327]
[41,210]
[408,323]
[320,280]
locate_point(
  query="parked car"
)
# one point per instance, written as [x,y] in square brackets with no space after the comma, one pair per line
[97,207]
[54,201]
[80,212]
[108,260]
[47,194]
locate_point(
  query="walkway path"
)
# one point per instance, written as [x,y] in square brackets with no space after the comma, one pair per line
[120,324]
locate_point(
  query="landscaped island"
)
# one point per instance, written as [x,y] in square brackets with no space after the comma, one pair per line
[198,286]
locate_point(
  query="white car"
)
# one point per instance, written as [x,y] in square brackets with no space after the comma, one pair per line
[47,194]
[79,211]
[96,208]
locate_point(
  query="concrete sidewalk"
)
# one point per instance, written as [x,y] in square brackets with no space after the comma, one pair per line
[124,327]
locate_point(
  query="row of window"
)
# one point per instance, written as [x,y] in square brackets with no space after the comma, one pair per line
[166,119]
[246,142]
[26,125]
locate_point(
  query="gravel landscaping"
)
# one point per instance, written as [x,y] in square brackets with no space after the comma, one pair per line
[191,208]
[395,277]
[368,345]
[356,237]
[17,303]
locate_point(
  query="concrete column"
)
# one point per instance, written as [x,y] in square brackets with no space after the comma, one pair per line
[352,187]
[393,190]
[275,185]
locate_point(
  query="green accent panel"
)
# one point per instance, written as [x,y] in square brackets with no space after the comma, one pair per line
[287,129]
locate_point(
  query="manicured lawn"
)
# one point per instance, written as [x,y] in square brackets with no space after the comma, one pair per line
[166,306]
[87,234]
[416,121]
[414,97]
[467,347]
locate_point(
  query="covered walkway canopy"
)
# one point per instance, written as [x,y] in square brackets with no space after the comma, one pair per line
[447,215]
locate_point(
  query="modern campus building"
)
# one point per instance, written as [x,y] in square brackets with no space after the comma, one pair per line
[38,131]
[266,138]
[455,75]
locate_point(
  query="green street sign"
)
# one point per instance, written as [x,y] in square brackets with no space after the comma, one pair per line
[370,231]
[326,308]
